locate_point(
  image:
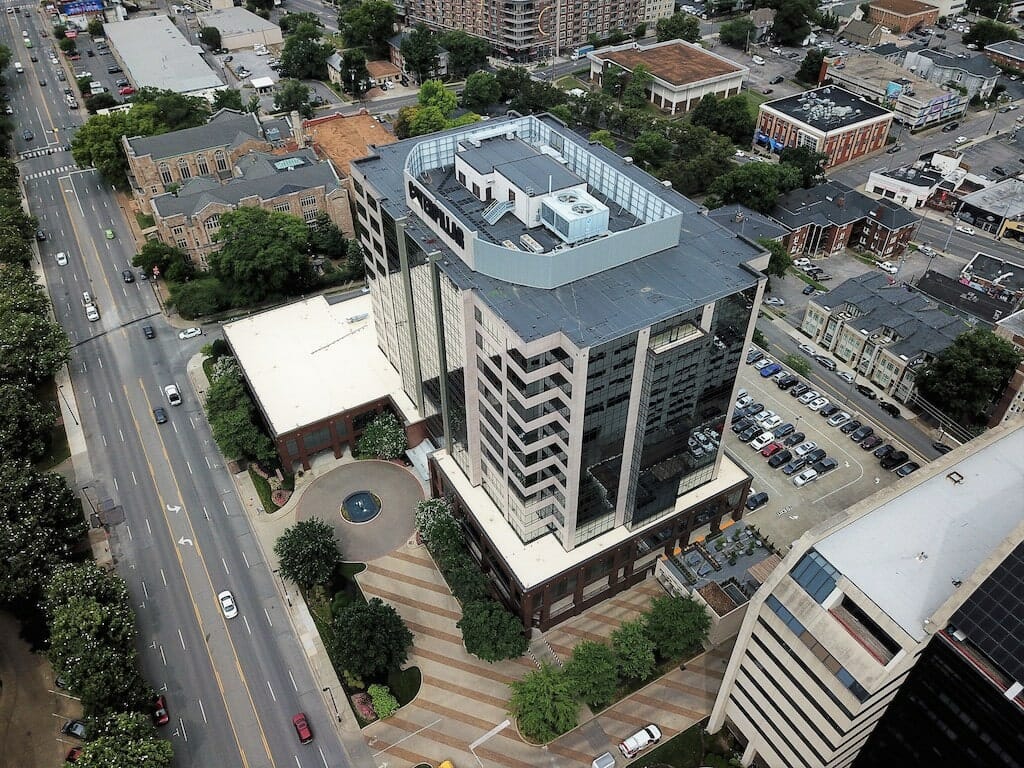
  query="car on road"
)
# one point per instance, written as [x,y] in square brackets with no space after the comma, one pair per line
[942,447]
[894,149]
[805,477]
[173,395]
[799,390]
[839,419]
[302,729]
[770,370]
[27,135]
[964,229]
[775,301]
[808,396]
[805,448]
[227,604]
[894,459]
[160,714]
[818,403]
[885,450]
[906,469]
[889,408]
[62,258]
[850,426]
[889,267]
[860,434]
[127,275]
[92,314]
[41,235]
[847,377]
[870,442]
[776,80]
[928,250]
[756,500]
[829,410]
[190,333]
[646,737]
[761,440]
[109,233]
[826,362]
[824,466]
[160,415]
[148,332]
[780,458]
[866,391]
[950,127]
[961,140]
[795,439]
[74,728]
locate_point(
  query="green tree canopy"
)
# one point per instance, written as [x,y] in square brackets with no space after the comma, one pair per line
[232,414]
[966,377]
[293,96]
[985,32]
[779,261]
[370,638]
[14,248]
[304,57]
[811,164]
[308,552]
[482,89]
[593,672]
[369,25]
[635,93]
[434,94]
[793,20]
[466,53]
[34,347]
[228,98]
[730,117]
[810,68]
[633,650]
[383,438]
[678,26]
[994,9]
[210,37]
[490,632]
[95,27]
[755,185]
[737,33]
[25,423]
[676,625]
[603,137]
[290,21]
[544,704]
[420,52]
[126,739]
[355,76]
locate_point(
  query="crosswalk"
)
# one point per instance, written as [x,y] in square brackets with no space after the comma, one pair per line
[51,172]
[42,152]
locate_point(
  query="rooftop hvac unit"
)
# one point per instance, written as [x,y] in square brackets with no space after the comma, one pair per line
[530,244]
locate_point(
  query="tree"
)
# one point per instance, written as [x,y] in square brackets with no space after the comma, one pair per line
[262,253]
[993,9]
[640,31]
[34,347]
[466,53]
[304,57]
[308,553]
[168,110]
[68,46]
[755,185]
[651,148]
[291,20]
[985,32]
[97,101]
[593,672]
[729,117]
[369,25]
[736,33]
[633,650]
[25,423]
[210,37]
[490,632]
[370,638]
[126,739]
[327,239]
[603,137]
[420,51]
[811,164]
[635,93]
[293,96]
[779,261]
[614,80]
[383,438]
[434,94]
[98,144]
[810,68]
[14,248]
[356,77]
[968,375]
[793,20]
[232,413]
[544,704]
[678,26]
[227,98]
[202,296]
[482,89]
[676,625]
[95,27]
[513,81]
[171,262]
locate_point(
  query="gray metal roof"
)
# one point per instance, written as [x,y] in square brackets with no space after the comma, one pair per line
[227,128]
[975,65]
[741,220]
[156,55]
[490,154]
[836,203]
[1011,48]
[538,175]
[966,300]
[260,179]
[235,20]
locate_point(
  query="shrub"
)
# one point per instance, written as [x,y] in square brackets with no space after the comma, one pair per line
[384,704]
[634,650]
[544,704]
[383,438]
[593,671]
[490,632]
[676,624]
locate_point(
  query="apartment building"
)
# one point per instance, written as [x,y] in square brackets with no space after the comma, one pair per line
[296,183]
[1006,53]
[828,120]
[566,325]
[977,74]
[159,163]
[884,332]
[837,630]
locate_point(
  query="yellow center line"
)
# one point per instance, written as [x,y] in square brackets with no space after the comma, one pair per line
[202,561]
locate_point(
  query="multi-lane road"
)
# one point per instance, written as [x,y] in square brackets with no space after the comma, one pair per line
[232,685]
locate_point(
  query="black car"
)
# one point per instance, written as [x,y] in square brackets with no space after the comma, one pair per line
[885,450]
[757,500]
[753,356]
[950,127]
[862,433]
[742,424]
[780,458]
[866,391]
[906,469]
[825,466]
[894,459]
[127,275]
[27,135]
[40,235]
[113,69]
[889,408]
[783,429]
[816,455]
[808,290]
[776,80]
[829,409]
[787,382]
[870,443]
[148,332]
[999,170]
[795,465]
[756,408]
[738,415]
[942,447]
[798,390]
[850,426]
[893,149]
[160,415]
[795,439]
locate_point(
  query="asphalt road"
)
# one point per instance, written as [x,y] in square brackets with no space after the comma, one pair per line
[232,685]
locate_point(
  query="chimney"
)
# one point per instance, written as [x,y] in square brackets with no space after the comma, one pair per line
[841,202]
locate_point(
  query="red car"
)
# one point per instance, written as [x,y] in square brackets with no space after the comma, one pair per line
[302,728]
[160,714]
[126,90]
[771,448]
[73,754]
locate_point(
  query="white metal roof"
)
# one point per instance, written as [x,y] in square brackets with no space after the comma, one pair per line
[157,55]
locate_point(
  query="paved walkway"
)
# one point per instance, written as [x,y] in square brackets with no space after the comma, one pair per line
[462,698]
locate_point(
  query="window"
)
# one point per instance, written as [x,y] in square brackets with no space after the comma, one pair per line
[183,170]
[212,223]
[816,575]
[310,217]
[204,167]
[181,243]
[177,230]
[307,201]
[165,173]
[284,207]
[221,159]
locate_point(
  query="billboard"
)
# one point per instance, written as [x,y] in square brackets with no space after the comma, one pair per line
[80,7]
[892,92]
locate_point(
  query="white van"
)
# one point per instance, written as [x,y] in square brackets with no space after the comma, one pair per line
[757,60]
[18,68]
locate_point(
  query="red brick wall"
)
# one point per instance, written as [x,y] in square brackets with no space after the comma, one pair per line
[840,148]
[903,23]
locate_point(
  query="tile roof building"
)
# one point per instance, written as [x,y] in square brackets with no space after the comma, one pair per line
[829,120]
[925,574]
[860,32]
[827,218]
[683,73]
[566,325]
[883,331]
[901,16]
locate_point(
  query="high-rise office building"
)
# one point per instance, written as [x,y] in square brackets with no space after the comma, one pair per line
[571,329]
[914,582]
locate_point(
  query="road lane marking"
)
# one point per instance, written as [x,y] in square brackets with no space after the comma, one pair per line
[189,467]
[182,638]
[145,590]
[163,576]
[294,686]
[247,627]
[104,437]
[110,396]
[225,564]
[267,614]
[245,560]
[271,688]
[202,709]
[163,656]
[116,486]
[129,529]
[148,527]
[134,479]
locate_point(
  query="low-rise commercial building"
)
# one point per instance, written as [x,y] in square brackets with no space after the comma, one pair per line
[997,277]
[683,73]
[977,74]
[1011,405]
[1007,53]
[828,120]
[901,16]
[859,32]
[915,102]
[240,28]
[995,207]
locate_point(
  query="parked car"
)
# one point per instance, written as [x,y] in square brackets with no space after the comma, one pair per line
[964,229]
[789,381]
[74,728]
[754,355]
[889,408]
[190,333]
[866,391]
[776,80]
[780,458]
[775,301]
[770,370]
[826,362]
[750,433]
[885,450]
[818,403]
[799,390]
[761,440]
[756,500]
[816,455]
[743,401]
[889,267]
[763,362]
[805,477]
[839,419]
[894,459]
[850,426]
[771,423]
[871,442]
[771,449]
[824,466]
[756,408]
[859,434]
[646,737]
[906,469]
[942,447]
[795,439]
[742,424]
[805,448]
[808,396]
[829,410]
[794,465]
[808,290]
[160,715]
[847,377]
[783,429]
[950,127]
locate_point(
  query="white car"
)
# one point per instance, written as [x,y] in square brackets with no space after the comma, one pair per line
[764,362]
[847,377]
[818,403]
[771,423]
[190,333]
[888,266]
[743,401]
[92,313]
[763,415]
[965,229]
[927,250]
[962,139]
[646,737]
[807,349]
[62,259]
[173,395]
[761,440]
[801,263]
[227,604]
[775,301]
[807,397]
[838,419]
[803,448]
[805,477]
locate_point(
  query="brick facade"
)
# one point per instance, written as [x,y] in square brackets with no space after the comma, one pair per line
[839,146]
[901,16]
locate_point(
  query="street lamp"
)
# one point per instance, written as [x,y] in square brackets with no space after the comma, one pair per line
[330,693]
[60,388]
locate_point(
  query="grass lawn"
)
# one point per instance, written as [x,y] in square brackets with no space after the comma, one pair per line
[681,751]
[145,220]
[755,100]
[570,81]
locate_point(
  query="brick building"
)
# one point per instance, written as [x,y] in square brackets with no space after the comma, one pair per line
[156,163]
[828,120]
[901,16]
[1007,53]
[831,217]
[1011,404]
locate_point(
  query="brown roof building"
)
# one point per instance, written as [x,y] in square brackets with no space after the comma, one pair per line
[343,139]
[902,15]
[683,73]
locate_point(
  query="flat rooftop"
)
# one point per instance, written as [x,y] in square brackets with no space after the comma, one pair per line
[236,21]
[903,7]
[829,108]
[157,55]
[876,72]
[991,268]
[545,558]
[343,139]
[1014,323]
[1011,48]
[934,529]
[312,359]
[1005,198]
[677,62]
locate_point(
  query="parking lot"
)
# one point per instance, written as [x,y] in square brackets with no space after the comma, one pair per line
[790,510]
